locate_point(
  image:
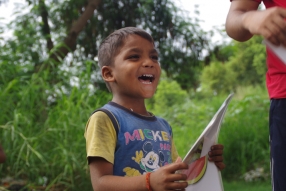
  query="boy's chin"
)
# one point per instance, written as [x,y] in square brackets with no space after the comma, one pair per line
[149,96]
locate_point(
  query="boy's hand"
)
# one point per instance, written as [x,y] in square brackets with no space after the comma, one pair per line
[165,177]
[215,155]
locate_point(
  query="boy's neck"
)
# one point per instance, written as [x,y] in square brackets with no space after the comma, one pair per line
[135,105]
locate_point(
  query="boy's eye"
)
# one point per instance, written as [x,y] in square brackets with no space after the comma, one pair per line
[133,57]
[155,57]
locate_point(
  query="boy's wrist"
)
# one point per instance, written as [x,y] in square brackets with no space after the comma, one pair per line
[148,183]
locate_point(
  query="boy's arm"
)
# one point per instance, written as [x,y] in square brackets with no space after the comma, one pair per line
[244,20]
[163,179]
[102,179]
[2,155]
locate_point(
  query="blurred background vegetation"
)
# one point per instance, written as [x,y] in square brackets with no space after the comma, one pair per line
[50,83]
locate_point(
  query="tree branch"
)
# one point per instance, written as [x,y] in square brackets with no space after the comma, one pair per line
[78,26]
[46,27]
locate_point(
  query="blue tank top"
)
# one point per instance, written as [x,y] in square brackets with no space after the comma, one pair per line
[143,143]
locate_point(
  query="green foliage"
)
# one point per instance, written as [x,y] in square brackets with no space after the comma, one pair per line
[245,134]
[250,62]
[168,96]
[221,53]
[46,26]
[218,78]
[42,126]
[233,65]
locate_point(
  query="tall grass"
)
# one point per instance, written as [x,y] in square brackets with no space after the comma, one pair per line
[41,131]
[245,134]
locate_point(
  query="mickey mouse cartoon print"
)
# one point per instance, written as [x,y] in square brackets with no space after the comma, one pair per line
[152,160]
[148,160]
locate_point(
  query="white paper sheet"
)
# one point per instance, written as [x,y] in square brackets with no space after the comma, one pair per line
[202,174]
[280,51]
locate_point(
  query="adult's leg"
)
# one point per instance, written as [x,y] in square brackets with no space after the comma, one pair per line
[277,128]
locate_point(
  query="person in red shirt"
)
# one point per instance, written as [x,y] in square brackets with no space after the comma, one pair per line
[2,155]
[243,21]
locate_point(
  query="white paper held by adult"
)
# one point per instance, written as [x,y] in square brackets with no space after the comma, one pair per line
[280,51]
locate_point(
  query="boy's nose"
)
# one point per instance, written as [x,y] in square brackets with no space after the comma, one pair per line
[148,63]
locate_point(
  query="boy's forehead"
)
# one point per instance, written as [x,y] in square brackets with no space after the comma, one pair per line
[134,40]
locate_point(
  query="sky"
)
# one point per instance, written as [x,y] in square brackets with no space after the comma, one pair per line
[6,9]
[213,13]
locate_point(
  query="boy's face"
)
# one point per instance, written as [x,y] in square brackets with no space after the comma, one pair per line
[136,68]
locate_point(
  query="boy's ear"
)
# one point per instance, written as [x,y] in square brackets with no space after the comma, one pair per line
[107,74]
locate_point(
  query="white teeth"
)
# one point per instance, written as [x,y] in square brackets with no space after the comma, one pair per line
[147,82]
[147,78]
[148,75]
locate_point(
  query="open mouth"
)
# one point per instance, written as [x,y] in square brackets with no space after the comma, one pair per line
[146,78]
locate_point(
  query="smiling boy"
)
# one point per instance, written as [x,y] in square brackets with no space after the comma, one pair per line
[141,155]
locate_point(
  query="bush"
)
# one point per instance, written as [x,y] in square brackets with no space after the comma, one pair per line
[218,78]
